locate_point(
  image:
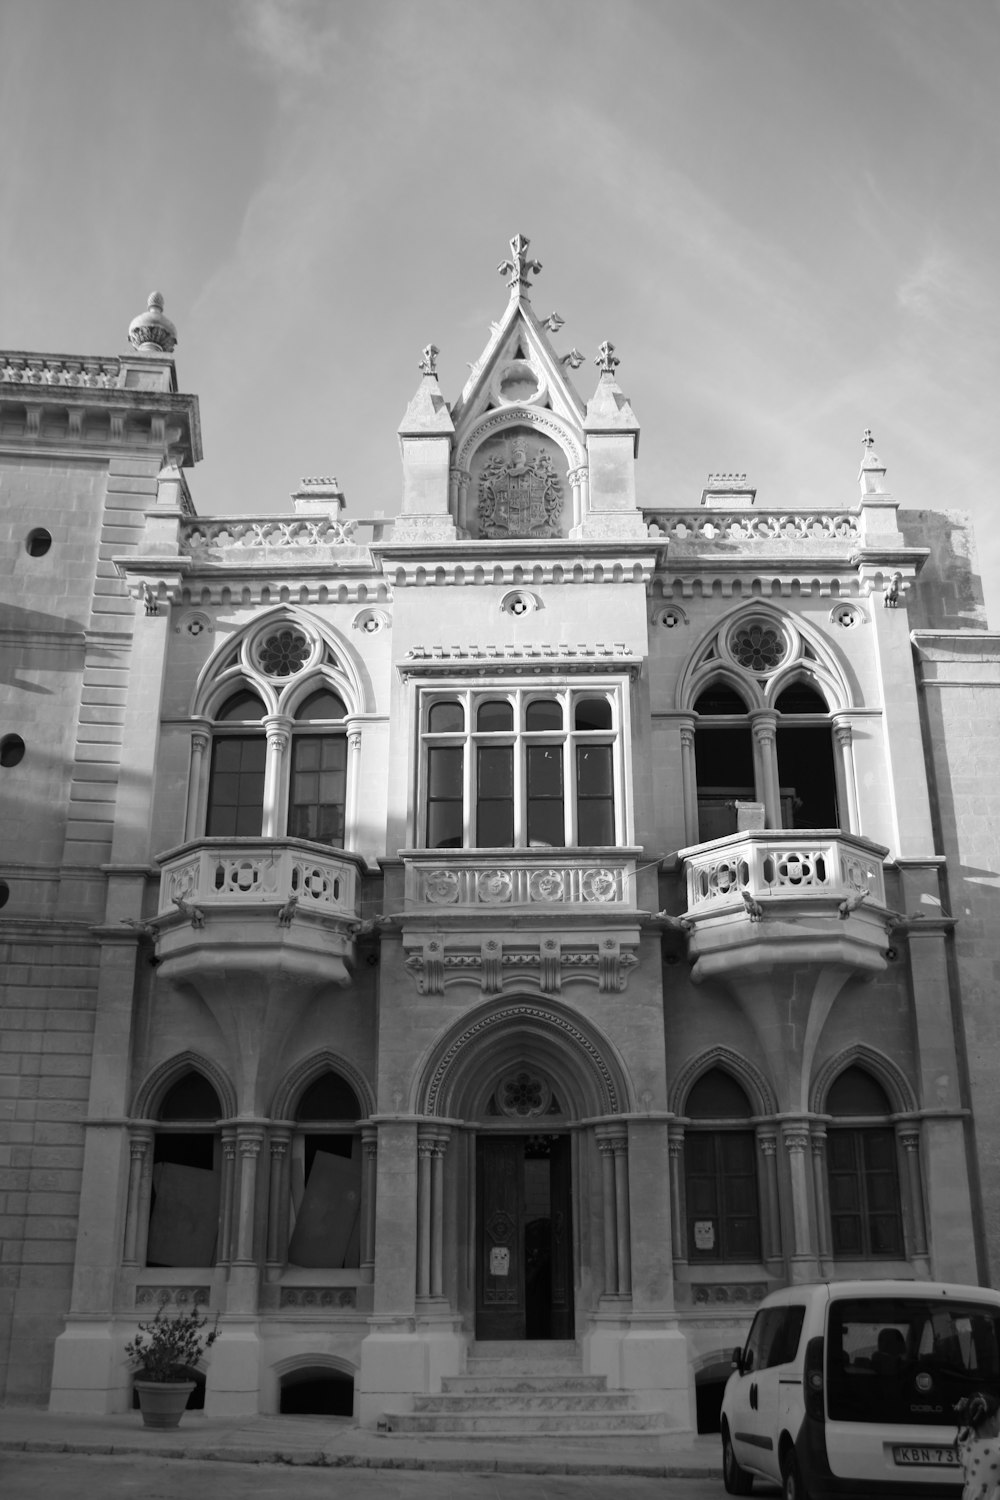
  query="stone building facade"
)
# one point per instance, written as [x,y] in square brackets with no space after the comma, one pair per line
[542,923]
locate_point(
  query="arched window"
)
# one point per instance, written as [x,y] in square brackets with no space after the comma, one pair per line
[311,773]
[724,762]
[720,1172]
[516,768]
[184,1202]
[865,1217]
[325,1179]
[804,747]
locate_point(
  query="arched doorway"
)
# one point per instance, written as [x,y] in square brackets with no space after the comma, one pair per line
[524,1076]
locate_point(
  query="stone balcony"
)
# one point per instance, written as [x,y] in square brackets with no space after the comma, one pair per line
[244,909]
[500,918]
[756,900]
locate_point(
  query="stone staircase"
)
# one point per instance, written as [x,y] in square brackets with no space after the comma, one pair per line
[529,1388]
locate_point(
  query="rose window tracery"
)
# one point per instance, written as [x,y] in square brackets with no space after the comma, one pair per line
[523,1094]
[284,652]
[757,647]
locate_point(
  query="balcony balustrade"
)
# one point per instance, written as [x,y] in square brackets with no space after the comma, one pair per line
[256,906]
[757,899]
[544,881]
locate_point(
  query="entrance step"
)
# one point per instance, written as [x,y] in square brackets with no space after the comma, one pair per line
[515,1389]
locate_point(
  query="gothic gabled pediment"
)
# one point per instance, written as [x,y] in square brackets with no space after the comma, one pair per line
[519,366]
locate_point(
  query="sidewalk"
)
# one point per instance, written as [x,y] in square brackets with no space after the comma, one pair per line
[336,1443]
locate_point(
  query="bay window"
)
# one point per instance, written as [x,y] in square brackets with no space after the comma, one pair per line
[521,768]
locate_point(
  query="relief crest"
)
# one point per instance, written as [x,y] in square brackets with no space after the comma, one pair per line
[520,490]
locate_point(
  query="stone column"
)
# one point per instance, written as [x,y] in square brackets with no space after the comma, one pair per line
[678,1215]
[140,1150]
[767,1142]
[824,1234]
[425,1148]
[194,822]
[277,1203]
[763,723]
[369,1147]
[606,1147]
[353,789]
[227,1193]
[847,786]
[908,1138]
[440,1145]
[278,729]
[579,481]
[249,1150]
[620,1147]
[689,775]
[796,1138]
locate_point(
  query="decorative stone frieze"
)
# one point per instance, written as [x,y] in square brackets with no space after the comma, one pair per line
[438,880]
[179,1296]
[319,1298]
[727,1293]
[495,965]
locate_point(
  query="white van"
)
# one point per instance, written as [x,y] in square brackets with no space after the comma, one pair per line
[849,1387]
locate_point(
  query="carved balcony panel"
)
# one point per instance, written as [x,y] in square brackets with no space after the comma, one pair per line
[540,882]
[256,907]
[757,899]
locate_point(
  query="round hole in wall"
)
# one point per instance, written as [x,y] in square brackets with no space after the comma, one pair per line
[39,541]
[11,750]
[4,893]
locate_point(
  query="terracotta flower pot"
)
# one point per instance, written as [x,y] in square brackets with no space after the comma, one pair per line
[162,1402]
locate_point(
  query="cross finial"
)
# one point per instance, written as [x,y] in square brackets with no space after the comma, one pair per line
[868,439]
[607,359]
[428,363]
[519,264]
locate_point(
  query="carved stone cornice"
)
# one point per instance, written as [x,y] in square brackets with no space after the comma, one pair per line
[519,660]
[517,562]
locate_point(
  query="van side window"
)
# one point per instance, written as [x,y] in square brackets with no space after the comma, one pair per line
[774,1337]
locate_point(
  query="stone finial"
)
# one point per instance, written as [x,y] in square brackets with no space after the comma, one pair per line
[872,472]
[151,332]
[519,265]
[574,359]
[607,360]
[554,322]
[428,363]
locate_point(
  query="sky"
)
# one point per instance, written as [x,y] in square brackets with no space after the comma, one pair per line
[785,214]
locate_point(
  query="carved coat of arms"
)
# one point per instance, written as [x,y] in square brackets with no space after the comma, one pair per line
[520,494]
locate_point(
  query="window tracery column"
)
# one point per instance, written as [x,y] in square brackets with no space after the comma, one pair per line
[763,724]
[140,1152]
[678,1216]
[847,786]
[689,779]
[767,1142]
[908,1136]
[275,815]
[369,1145]
[200,741]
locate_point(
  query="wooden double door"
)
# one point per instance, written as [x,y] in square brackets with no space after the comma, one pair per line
[524,1241]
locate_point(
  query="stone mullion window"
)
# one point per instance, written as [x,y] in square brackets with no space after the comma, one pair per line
[514,767]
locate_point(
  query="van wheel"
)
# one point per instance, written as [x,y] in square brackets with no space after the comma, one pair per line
[792,1487]
[736,1480]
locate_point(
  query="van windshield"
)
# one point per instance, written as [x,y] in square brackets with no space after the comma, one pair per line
[909,1359]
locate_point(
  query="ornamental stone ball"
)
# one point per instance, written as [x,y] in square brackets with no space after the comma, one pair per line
[151,332]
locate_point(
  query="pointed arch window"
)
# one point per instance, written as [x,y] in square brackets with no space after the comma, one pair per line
[862,1173]
[289,777]
[720,1172]
[326,1176]
[186,1176]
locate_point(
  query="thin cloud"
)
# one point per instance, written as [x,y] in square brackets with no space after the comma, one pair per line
[291,36]
[936,286]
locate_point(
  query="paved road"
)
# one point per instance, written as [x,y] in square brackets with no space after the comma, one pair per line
[68,1476]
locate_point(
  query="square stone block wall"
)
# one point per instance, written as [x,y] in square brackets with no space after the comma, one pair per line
[48,1002]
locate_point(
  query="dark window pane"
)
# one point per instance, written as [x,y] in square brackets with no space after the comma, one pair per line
[444,825]
[721,1193]
[495,715]
[242,705]
[596,823]
[720,699]
[495,824]
[717,1096]
[545,763]
[496,771]
[544,713]
[594,775]
[321,705]
[444,771]
[446,718]
[190,1098]
[330,1097]
[317,795]
[592,713]
[856,1092]
[236,787]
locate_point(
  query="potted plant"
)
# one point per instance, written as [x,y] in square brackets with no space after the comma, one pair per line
[163,1352]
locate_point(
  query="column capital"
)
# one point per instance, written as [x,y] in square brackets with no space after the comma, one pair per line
[908,1137]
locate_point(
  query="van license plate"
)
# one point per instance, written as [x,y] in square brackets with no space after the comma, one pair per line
[947,1457]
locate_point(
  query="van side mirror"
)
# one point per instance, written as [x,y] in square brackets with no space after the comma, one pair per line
[738,1358]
